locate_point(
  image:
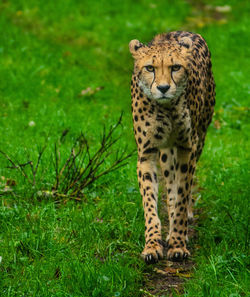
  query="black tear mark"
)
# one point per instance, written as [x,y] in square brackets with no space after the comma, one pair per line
[172,77]
[152,81]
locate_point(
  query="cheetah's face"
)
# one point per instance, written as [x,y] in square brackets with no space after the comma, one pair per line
[161,70]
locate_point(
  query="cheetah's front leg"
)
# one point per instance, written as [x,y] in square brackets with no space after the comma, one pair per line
[184,169]
[147,176]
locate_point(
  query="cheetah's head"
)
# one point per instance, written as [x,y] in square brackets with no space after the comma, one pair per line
[161,68]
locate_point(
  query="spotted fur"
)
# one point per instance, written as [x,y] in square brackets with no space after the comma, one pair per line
[173,97]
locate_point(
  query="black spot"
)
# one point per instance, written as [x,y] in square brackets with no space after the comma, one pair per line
[164,158]
[150,150]
[166,173]
[160,130]
[180,190]
[146,144]
[148,176]
[157,136]
[150,229]
[184,168]
[187,149]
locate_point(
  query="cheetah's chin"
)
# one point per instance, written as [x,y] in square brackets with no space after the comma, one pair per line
[163,100]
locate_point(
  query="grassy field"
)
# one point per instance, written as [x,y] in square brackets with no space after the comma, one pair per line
[50,54]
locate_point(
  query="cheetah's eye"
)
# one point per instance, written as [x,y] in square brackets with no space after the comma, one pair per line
[150,68]
[176,67]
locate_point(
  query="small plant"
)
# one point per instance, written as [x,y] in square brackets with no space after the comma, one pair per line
[81,168]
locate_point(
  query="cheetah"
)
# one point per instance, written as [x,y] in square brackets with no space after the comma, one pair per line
[173,98]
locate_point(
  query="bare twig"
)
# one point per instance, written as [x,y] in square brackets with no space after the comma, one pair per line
[19,167]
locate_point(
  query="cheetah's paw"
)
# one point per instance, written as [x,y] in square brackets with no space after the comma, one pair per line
[177,254]
[153,253]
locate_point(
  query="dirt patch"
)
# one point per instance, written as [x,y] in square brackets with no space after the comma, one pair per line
[167,279]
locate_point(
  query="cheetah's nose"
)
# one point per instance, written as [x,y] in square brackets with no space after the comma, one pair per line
[163,88]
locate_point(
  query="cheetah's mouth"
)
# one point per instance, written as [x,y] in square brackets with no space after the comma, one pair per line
[164,98]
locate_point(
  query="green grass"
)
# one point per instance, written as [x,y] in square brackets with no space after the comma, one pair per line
[49,53]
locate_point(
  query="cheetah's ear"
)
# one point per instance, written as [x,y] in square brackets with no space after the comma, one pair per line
[186,42]
[134,46]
